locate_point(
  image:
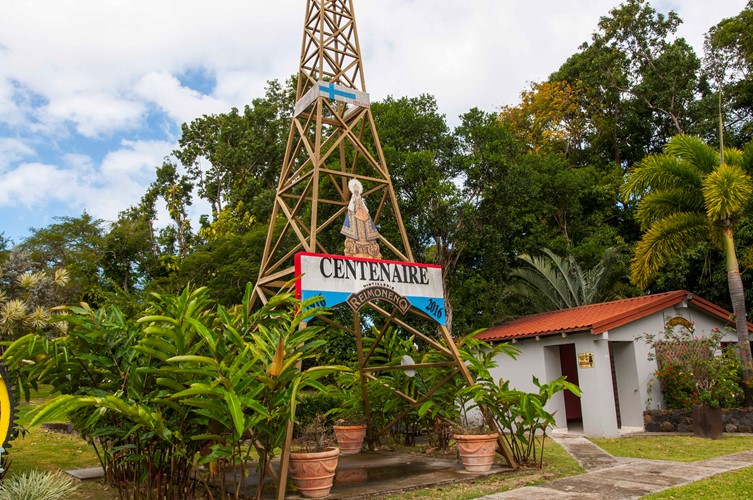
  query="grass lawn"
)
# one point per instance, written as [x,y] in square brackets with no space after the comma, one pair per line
[675,448]
[25,408]
[730,485]
[52,451]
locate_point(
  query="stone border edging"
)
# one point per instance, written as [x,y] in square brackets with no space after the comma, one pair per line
[734,420]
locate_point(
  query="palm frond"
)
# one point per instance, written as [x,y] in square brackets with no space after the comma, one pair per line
[553,282]
[658,204]
[659,172]
[543,280]
[537,302]
[665,239]
[568,269]
[733,156]
[598,278]
[693,150]
[727,191]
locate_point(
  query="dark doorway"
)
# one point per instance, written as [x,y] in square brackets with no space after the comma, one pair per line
[569,365]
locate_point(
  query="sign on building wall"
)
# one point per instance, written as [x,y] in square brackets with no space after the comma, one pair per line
[357,281]
[678,321]
[586,359]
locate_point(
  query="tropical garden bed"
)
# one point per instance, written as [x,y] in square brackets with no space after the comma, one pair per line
[43,450]
[175,401]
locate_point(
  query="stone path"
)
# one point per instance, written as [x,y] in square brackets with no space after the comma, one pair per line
[615,478]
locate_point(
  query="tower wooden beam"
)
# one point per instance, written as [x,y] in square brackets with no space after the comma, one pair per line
[332,139]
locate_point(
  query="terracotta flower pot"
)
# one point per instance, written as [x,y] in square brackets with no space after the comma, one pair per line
[349,438]
[313,473]
[477,451]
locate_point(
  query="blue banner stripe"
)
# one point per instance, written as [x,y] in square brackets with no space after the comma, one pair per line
[434,307]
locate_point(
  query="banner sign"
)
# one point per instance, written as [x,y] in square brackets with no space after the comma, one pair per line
[357,281]
[334,92]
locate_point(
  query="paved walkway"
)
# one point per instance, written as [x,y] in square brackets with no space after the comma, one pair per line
[613,478]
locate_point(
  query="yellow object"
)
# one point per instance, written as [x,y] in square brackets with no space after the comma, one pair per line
[6,411]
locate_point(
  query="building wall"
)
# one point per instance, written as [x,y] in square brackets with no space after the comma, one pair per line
[542,359]
[633,370]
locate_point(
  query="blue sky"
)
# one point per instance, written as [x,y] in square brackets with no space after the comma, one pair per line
[93,92]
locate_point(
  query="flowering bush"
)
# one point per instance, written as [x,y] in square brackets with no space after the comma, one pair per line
[696,370]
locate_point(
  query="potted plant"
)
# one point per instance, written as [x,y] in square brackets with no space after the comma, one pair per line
[350,436]
[350,421]
[483,408]
[697,374]
[314,461]
[475,438]
[707,417]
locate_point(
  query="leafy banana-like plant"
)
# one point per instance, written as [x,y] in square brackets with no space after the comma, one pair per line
[188,381]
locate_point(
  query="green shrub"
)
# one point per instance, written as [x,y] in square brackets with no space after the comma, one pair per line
[696,370]
[36,485]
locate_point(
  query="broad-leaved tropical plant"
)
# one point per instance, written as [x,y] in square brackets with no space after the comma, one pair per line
[189,382]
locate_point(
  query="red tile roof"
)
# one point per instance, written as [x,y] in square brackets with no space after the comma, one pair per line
[598,318]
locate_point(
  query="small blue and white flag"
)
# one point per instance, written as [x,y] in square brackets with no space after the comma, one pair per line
[334,92]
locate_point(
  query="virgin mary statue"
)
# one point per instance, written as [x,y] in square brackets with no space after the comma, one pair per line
[360,233]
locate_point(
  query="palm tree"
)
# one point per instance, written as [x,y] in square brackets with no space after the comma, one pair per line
[687,195]
[555,282]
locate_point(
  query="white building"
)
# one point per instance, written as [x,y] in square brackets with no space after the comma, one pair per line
[595,346]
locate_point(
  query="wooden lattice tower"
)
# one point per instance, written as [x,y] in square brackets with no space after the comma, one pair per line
[332,140]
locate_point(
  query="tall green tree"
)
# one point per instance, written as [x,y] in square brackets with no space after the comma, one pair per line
[688,195]
[421,152]
[73,243]
[236,156]
[728,62]
[176,189]
[638,82]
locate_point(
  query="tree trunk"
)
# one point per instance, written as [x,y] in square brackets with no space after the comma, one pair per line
[737,295]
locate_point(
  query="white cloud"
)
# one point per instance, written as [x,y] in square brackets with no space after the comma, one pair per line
[74,73]
[11,151]
[93,114]
[180,103]
[102,190]
[10,111]
[33,184]
[123,176]
[85,57]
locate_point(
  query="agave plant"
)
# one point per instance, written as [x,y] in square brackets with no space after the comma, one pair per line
[36,485]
